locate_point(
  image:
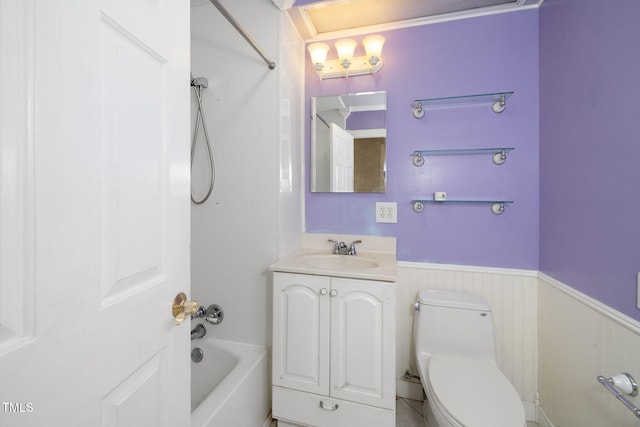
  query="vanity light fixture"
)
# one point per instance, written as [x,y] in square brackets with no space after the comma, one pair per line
[318,52]
[347,65]
[345,48]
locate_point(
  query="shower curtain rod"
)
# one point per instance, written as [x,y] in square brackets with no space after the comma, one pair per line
[243,33]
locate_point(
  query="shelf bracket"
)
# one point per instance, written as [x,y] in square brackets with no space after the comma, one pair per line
[500,157]
[418,112]
[497,208]
[418,159]
[499,105]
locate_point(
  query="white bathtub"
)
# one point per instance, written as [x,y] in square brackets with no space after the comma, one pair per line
[230,387]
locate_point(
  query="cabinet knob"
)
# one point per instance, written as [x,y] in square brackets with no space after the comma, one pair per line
[333,292]
[323,291]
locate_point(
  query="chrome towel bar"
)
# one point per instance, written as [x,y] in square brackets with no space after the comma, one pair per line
[625,380]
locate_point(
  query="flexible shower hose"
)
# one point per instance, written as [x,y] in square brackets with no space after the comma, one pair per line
[197,89]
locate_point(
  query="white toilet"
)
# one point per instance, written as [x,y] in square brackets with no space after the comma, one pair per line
[455,351]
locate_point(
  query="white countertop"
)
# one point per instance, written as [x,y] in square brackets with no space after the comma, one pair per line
[377,251]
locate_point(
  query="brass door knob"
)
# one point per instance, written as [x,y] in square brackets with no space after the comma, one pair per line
[183,308]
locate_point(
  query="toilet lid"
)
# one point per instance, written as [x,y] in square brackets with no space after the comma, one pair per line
[474,392]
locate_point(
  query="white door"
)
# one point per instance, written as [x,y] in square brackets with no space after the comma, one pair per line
[301,332]
[94,213]
[363,342]
[340,159]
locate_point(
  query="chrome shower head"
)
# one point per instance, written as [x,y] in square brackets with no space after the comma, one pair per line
[201,82]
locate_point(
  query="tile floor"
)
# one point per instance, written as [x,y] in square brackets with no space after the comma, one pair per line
[409,413]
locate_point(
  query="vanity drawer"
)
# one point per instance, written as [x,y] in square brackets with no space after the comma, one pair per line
[304,409]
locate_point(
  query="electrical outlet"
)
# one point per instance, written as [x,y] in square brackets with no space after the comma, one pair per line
[387,212]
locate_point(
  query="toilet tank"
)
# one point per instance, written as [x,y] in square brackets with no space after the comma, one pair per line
[457,323]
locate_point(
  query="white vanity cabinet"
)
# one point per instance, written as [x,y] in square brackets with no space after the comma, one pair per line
[333,351]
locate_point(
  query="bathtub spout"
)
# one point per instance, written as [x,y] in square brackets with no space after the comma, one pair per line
[198,332]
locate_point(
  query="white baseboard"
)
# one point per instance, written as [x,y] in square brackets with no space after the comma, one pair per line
[409,390]
[543,421]
[268,421]
[530,411]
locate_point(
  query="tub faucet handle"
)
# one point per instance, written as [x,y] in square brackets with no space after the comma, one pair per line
[215,315]
[200,312]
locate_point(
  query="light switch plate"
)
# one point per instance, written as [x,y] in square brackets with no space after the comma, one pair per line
[387,212]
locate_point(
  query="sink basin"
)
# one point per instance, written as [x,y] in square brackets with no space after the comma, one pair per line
[366,265]
[338,262]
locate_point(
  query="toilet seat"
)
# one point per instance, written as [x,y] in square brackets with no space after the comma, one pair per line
[473,393]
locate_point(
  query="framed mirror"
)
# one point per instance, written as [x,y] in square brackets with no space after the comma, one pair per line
[349,143]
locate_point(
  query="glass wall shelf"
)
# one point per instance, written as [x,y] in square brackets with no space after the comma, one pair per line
[497,206]
[499,153]
[498,101]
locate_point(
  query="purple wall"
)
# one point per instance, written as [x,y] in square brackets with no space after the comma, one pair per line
[367,120]
[590,147]
[470,56]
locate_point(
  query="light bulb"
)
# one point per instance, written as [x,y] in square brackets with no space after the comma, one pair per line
[345,48]
[373,46]
[318,52]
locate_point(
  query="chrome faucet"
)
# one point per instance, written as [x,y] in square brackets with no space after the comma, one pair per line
[212,314]
[198,332]
[352,247]
[200,312]
[340,248]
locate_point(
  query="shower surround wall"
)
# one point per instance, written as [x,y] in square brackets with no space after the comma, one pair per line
[252,113]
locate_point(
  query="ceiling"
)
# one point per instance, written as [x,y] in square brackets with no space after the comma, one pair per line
[336,18]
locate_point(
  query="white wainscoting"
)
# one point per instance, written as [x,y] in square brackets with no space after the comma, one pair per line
[512,295]
[541,325]
[579,339]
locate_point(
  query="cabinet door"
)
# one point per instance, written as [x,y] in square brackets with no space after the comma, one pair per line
[363,342]
[301,332]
